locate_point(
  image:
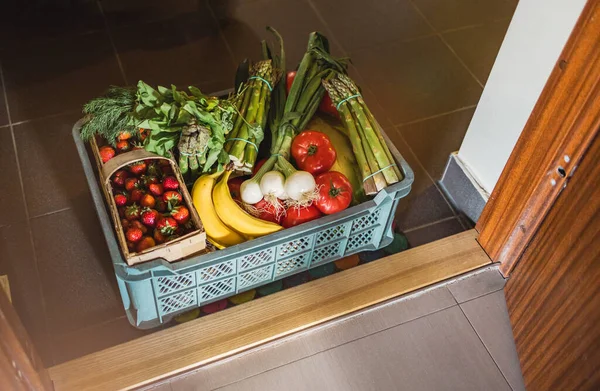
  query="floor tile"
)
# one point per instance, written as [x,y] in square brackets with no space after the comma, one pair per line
[360,24]
[78,279]
[433,140]
[434,232]
[476,285]
[478,46]
[3,112]
[40,82]
[451,14]
[17,261]
[53,178]
[70,345]
[120,13]
[417,79]
[243,24]
[175,51]
[316,340]
[489,317]
[11,193]
[439,351]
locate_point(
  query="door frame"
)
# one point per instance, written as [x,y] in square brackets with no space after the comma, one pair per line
[562,125]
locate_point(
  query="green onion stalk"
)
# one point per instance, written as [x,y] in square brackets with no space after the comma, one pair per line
[375,161]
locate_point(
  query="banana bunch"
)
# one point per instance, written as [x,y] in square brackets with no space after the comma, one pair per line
[225,222]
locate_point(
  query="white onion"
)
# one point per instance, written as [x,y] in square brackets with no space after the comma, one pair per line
[272,184]
[299,185]
[250,192]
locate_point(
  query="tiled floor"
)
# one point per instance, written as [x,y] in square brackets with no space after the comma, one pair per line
[455,336]
[422,65]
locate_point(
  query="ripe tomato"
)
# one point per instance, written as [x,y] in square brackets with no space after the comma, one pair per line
[335,192]
[295,216]
[268,212]
[258,165]
[326,106]
[313,152]
[234,185]
[289,80]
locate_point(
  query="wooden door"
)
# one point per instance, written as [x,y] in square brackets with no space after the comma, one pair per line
[553,295]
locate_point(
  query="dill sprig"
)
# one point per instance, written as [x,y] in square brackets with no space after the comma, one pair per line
[110,114]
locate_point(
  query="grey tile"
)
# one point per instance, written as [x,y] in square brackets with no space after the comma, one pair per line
[11,193]
[451,14]
[421,208]
[17,261]
[433,140]
[439,351]
[462,191]
[489,317]
[78,279]
[45,78]
[379,22]
[176,51]
[316,340]
[434,232]
[478,46]
[477,284]
[417,79]
[53,178]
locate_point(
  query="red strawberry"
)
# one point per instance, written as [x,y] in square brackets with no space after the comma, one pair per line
[121,211]
[149,179]
[124,136]
[148,201]
[166,225]
[123,146]
[156,189]
[161,206]
[106,153]
[125,223]
[131,247]
[121,199]
[138,168]
[164,163]
[132,183]
[136,195]
[153,169]
[119,178]
[170,183]
[132,212]
[137,224]
[172,237]
[166,170]
[172,197]
[144,133]
[134,234]
[149,217]
[181,214]
[145,243]
[158,237]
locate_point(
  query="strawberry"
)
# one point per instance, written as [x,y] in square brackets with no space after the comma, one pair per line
[132,183]
[181,214]
[132,212]
[161,206]
[123,146]
[144,133]
[172,197]
[134,234]
[148,201]
[156,189]
[164,163]
[138,168]
[119,178]
[158,237]
[137,224]
[166,170]
[121,211]
[166,225]
[145,243]
[170,183]
[106,153]
[149,217]
[172,237]
[124,136]
[131,247]
[125,223]
[136,195]
[153,169]
[121,199]
[147,180]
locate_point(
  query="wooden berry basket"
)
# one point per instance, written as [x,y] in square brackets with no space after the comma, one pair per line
[191,243]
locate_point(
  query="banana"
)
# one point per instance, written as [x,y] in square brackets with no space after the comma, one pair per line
[217,232]
[237,218]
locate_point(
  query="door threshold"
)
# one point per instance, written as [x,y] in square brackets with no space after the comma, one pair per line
[185,347]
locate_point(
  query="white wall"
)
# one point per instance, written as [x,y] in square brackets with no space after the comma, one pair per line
[536,36]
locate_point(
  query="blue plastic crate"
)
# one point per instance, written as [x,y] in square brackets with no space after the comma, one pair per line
[154,292]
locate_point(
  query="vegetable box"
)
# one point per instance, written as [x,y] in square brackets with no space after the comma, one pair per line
[155,291]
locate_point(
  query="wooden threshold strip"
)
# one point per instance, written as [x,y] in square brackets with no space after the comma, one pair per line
[199,342]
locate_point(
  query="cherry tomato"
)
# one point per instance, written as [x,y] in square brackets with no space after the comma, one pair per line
[335,192]
[294,216]
[289,80]
[234,185]
[268,211]
[313,152]
[258,165]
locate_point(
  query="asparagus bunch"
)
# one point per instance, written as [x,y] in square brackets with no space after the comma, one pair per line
[192,146]
[252,103]
[373,156]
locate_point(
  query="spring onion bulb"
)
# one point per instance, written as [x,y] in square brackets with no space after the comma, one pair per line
[271,185]
[300,186]
[250,191]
